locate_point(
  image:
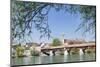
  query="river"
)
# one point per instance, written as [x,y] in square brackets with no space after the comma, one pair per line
[53,59]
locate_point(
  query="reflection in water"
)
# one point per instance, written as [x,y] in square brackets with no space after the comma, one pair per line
[38,60]
[65,58]
[53,59]
[65,55]
[81,55]
[26,60]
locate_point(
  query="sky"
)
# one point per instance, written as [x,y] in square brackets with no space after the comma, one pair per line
[62,23]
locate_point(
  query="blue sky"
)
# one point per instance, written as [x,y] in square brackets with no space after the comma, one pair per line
[61,22]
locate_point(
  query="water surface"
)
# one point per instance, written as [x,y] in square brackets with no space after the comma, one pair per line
[53,59]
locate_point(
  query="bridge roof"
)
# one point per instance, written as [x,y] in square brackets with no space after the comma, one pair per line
[71,46]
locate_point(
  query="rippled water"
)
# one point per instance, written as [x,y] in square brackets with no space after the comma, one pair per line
[53,59]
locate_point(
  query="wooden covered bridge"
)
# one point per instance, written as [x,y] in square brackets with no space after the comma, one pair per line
[67,48]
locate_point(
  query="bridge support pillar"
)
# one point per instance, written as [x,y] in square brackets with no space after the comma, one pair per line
[68,50]
[82,51]
[65,51]
[52,53]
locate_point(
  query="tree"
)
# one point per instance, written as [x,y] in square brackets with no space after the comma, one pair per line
[24,15]
[56,42]
[28,15]
[20,51]
[88,15]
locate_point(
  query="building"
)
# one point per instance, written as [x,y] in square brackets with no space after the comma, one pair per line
[70,42]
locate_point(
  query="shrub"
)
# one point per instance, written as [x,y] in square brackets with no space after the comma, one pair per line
[56,42]
[34,52]
[20,51]
[74,50]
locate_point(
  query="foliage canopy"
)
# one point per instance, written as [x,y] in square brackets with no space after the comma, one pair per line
[56,42]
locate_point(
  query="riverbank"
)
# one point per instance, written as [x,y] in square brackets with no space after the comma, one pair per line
[73,51]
